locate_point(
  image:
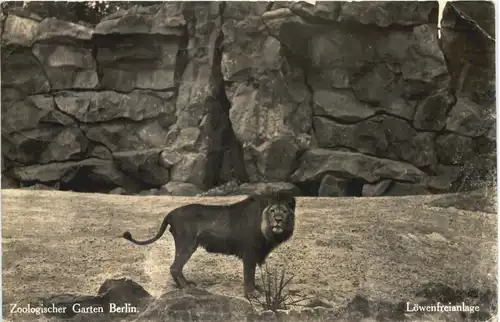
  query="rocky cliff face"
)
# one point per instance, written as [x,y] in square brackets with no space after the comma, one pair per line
[329,99]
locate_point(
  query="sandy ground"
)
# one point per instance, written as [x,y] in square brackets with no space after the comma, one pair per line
[383,248]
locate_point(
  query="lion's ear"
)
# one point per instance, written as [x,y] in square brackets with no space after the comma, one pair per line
[287,198]
[273,197]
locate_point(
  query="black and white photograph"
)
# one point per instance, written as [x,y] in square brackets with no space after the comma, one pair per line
[248,161]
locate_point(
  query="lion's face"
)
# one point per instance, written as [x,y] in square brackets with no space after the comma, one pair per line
[278,219]
[278,216]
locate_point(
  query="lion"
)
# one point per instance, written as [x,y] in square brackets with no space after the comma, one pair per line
[249,229]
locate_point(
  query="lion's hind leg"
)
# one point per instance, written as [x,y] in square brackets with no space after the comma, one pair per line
[183,253]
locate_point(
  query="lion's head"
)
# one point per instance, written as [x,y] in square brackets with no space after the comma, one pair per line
[278,219]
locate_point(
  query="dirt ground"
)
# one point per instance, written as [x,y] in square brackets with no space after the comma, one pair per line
[382,248]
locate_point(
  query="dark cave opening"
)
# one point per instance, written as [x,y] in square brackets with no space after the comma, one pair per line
[309,189]
[354,187]
[225,137]
[351,188]
[86,181]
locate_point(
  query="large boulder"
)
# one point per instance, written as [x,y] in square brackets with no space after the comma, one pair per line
[444,177]
[90,107]
[55,30]
[248,48]
[144,165]
[406,84]
[270,100]
[19,31]
[99,152]
[326,12]
[69,144]
[121,299]
[427,62]
[385,14]
[34,130]
[195,304]
[61,55]
[165,20]
[65,51]
[117,298]
[276,106]
[468,38]
[68,66]
[188,139]
[382,136]
[22,70]
[382,86]
[121,291]
[192,168]
[431,113]
[144,57]
[274,160]
[469,118]
[168,158]
[97,174]
[468,41]
[29,113]
[26,147]
[23,28]
[129,136]
[411,62]
[340,105]
[454,149]
[316,162]
[142,62]
[267,124]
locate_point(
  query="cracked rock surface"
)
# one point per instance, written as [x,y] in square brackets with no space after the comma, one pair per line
[286,95]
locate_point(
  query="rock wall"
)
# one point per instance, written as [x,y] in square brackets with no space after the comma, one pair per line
[332,99]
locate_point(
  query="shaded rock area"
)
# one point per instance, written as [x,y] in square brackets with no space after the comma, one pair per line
[92,173]
[290,96]
[195,304]
[332,187]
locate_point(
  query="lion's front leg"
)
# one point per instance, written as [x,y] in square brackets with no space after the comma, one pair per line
[250,289]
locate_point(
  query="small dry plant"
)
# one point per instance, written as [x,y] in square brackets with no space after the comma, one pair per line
[275,288]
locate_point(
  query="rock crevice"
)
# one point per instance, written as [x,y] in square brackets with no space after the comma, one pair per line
[248,92]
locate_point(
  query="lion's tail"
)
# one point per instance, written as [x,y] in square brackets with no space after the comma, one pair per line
[163,227]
